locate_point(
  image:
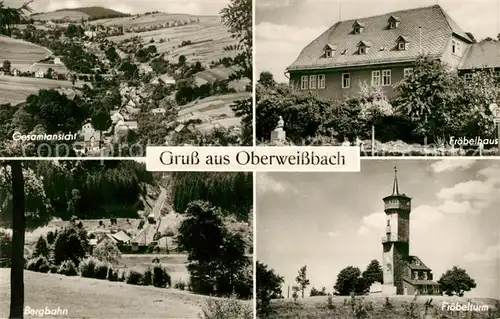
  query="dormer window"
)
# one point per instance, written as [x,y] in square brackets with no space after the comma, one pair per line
[363,47]
[358,27]
[329,50]
[394,22]
[402,43]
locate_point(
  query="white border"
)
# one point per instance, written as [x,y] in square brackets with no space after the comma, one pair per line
[254,80]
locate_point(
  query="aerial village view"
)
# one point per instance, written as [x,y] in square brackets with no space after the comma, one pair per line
[92,81]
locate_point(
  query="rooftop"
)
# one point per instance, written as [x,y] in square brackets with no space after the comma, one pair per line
[431,24]
[485,54]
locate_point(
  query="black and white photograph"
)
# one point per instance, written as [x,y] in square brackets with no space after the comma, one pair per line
[414,78]
[107,79]
[108,239]
[400,239]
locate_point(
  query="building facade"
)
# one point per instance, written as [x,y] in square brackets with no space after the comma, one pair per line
[381,50]
[402,274]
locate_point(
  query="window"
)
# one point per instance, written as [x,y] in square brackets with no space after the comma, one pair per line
[328,53]
[386,77]
[417,262]
[375,78]
[321,81]
[312,82]
[346,80]
[392,25]
[401,46]
[455,47]
[362,50]
[304,82]
[497,74]
[407,72]
[388,222]
[468,77]
[357,30]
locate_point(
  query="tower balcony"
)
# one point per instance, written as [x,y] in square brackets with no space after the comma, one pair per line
[394,204]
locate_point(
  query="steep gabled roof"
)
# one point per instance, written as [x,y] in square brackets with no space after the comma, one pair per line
[435,27]
[414,263]
[481,55]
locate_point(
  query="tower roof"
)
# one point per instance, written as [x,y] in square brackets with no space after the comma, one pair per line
[395,187]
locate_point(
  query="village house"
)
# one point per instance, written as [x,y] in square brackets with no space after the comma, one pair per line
[381,50]
[45,70]
[91,138]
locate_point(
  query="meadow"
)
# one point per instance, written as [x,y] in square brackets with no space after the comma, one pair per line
[93,298]
[381,307]
[213,111]
[209,38]
[21,54]
[15,90]
[67,15]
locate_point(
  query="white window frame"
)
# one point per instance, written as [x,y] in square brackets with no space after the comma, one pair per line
[304,82]
[376,78]
[348,79]
[362,50]
[467,77]
[313,82]
[321,81]
[393,24]
[386,74]
[456,47]
[402,46]
[407,72]
[328,53]
[357,30]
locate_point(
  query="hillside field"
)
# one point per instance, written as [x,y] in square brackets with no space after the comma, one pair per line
[209,39]
[15,90]
[375,307]
[92,298]
[21,54]
[213,111]
[68,15]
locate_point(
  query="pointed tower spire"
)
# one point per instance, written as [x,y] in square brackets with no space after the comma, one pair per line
[395,187]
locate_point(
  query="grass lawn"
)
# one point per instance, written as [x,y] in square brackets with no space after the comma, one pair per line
[376,307]
[92,298]
[21,54]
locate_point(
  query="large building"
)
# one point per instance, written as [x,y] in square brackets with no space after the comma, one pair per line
[381,50]
[402,274]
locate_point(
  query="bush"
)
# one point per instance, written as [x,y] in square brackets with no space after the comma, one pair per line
[42,247]
[122,277]
[101,270]
[70,244]
[134,277]
[107,251]
[39,264]
[5,249]
[229,308]
[147,278]
[53,269]
[68,268]
[181,285]
[113,274]
[88,267]
[161,278]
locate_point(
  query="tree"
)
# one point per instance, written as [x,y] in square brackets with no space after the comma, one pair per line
[107,251]
[295,293]
[41,248]
[18,229]
[266,79]
[456,281]
[373,273]
[302,280]
[268,287]
[348,280]
[244,110]
[5,249]
[316,292]
[71,244]
[6,66]
[12,16]
[182,60]
[237,17]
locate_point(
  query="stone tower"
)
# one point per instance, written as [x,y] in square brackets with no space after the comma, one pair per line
[396,242]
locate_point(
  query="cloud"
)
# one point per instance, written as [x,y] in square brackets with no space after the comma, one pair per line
[451,165]
[375,221]
[266,183]
[273,4]
[492,253]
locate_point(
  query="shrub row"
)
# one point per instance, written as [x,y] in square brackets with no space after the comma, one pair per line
[157,277]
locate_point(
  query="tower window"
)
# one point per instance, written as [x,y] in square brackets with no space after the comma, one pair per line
[388,222]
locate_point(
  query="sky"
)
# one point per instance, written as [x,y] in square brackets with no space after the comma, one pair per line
[329,221]
[200,7]
[284,27]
